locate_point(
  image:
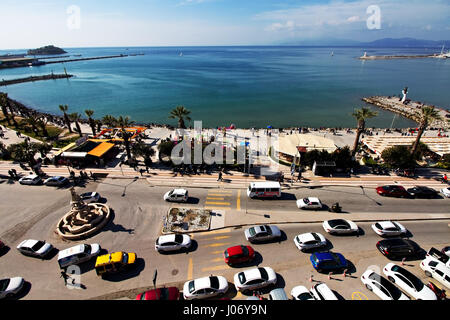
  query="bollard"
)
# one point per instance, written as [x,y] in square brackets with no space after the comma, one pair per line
[311,278]
[345,273]
[329,276]
[403,261]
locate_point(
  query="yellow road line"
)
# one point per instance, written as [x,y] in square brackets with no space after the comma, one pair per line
[215,198]
[238,204]
[219,195]
[217,238]
[216,245]
[218,203]
[217,260]
[190,269]
[213,232]
[217,252]
[216,268]
[359,296]
[216,208]
[220,191]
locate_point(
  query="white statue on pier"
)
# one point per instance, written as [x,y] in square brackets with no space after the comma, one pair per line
[404,92]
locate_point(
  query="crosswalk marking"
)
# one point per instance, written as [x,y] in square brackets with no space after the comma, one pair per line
[215,198]
[219,203]
[216,268]
[216,245]
[217,238]
[190,269]
[217,260]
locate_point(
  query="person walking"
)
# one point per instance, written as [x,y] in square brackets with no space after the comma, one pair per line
[220,176]
[64,276]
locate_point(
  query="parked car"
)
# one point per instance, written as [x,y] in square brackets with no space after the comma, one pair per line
[321,291]
[254,278]
[10,287]
[446,251]
[90,197]
[301,293]
[78,254]
[437,255]
[177,195]
[278,294]
[309,203]
[389,228]
[328,261]
[170,293]
[340,226]
[262,233]
[381,286]
[30,180]
[310,240]
[35,248]
[422,192]
[2,245]
[114,262]
[56,181]
[206,287]
[446,192]
[173,242]
[398,248]
[436,270]
[393,191]
[408,282]
[238,254]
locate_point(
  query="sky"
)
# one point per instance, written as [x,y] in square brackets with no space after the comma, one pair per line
[80,23]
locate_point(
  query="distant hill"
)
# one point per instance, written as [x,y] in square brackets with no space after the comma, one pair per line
[381,43]
[47,50]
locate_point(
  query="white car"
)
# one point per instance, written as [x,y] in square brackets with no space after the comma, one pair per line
[30,180]
[301,293]
[90,197]
[56,181]
[408,282]
[173,242]
[10,287]
[340,226]
[446,251]
[36,248]
[177,195]
[436,270]
[381,286]
[310,240]
[446,192]
[309,203]
[254,278]
[322,292]
[389,228]
[78,254]
[206,287]
[262,233]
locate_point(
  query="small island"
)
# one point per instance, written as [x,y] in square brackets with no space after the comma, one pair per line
[47,50]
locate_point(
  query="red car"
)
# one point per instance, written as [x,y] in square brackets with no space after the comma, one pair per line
[238,254]
[393,191]
[171,293]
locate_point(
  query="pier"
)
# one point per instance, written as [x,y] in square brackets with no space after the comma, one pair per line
[86,59]
[422,56]
[35,78]
[411,110]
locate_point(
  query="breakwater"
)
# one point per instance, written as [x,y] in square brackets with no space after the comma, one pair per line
[86,59]
[35,78]
[365,57]
[411,110]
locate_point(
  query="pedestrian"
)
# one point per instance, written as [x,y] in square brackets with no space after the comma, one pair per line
[141,171]
[146,169]
[220,176]
[64,276]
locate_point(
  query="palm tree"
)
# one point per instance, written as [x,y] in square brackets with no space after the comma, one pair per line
[42,122]
[124,123]
[89,114]
[109,121]
[361,116]
[145,151]
[33,120]
[99,124]
[180,113]
[64,109]
[76,117]
[4,104]
[427,116]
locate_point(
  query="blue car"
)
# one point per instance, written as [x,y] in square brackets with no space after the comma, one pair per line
[328,261]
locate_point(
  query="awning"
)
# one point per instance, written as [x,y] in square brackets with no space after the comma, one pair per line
[101,149]
[68,147]
[81,155]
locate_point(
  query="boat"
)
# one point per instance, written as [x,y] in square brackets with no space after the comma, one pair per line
[181,54]
[443,55]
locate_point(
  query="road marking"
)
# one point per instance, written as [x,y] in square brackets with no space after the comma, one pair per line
[218,203]
[215,198]
[217,260]
[215,208]
[216,245]
[220,191]
[239,295]
[216,268]
[217,238]
[359,296]
[238,203]
[190,269]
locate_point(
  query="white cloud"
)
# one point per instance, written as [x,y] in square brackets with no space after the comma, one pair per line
[354,19]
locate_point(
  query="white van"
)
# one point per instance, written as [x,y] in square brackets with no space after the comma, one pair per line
[78,254]
[264,190]
[322,292]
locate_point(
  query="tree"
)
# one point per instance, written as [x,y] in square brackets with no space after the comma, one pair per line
[32,120]
[427,116]
[398,157]
[42,123]
[89,114]
[64,109]
[24,152]
[165,148]
[99,124]
[181,114]
[124,123]
[4,104]
[109,121]
[76,117]
[11,113]
[361,116]
[143,150]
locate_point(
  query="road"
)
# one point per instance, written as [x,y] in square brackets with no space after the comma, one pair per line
[32,212]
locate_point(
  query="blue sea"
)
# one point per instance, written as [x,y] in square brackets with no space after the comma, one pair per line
[245,86]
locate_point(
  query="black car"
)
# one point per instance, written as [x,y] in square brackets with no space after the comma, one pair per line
[398,248]
[422,192]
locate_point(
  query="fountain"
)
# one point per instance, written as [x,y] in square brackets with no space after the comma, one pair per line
[83,220]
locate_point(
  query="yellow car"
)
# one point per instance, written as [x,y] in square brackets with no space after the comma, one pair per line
[114,262]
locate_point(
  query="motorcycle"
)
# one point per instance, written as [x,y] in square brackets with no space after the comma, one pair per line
[336,208]
[440,293]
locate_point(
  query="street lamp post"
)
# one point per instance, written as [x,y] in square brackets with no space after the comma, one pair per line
[155,275]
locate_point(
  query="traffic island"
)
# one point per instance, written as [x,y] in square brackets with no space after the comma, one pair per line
[185,220]
[83,220]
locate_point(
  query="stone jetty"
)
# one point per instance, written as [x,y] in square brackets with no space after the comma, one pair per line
[35,78]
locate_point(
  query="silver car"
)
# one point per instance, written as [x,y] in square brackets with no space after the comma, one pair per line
[173,242]
[262,233]
[10,287]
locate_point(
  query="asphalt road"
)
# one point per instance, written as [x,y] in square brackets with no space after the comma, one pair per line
[32,212]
